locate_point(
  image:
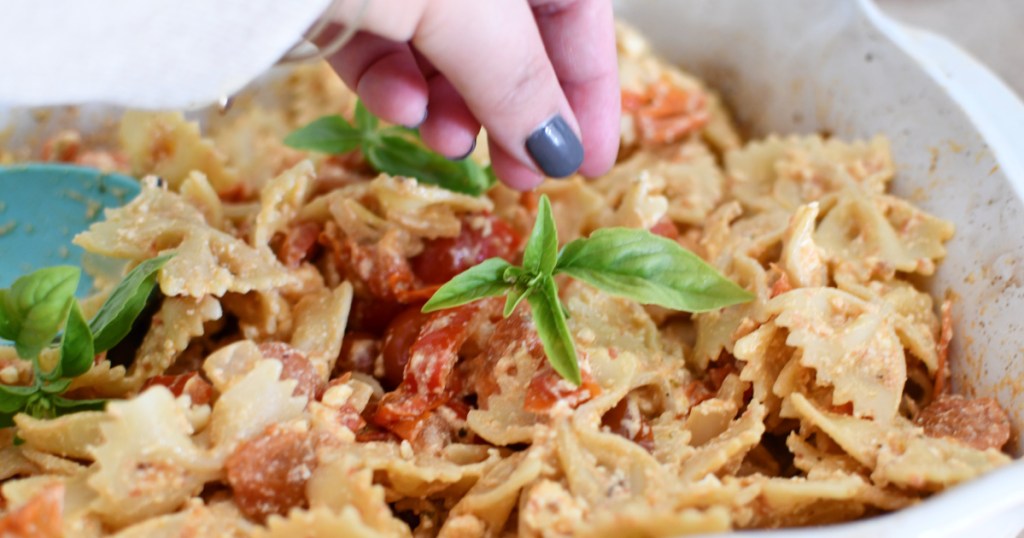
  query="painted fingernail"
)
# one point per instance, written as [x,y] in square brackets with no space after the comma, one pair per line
[555,148]
[466,155]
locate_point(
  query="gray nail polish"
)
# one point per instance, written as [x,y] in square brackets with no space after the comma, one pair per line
[555,148]
[466,155]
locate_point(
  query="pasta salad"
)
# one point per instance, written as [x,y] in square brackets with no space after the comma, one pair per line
[274,371]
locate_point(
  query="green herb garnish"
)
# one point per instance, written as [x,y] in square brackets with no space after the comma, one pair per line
[628,262]
[393,150]
[37,307]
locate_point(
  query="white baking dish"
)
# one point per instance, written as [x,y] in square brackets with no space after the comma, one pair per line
[957,133]
[841,66]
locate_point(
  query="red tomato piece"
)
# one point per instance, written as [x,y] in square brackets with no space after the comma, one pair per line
[196,387]
[482,237]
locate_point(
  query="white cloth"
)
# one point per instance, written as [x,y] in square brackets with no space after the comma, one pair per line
[142,53]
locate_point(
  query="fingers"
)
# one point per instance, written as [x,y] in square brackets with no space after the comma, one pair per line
[511,171]
[579,36]
[491,52]
[450,128]
[385,75]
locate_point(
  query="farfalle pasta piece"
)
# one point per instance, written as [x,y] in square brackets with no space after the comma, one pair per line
[742,435]
[901,454]
[687,178]
[231,363]
[179,320]
[210,262]
[341,482]
[198,193]
[67,436]
[802,260]
[39,516]
[639,518]
[155,220]
[196,519]
[835,498]
[491,500]
[913,313]
[425,211]
[165,144]
[104,380]
[255,400]
[13,463]
[280,200]
[788,172]
[851,345]
[319,523]
[765,354]
[147,464]
[576,205]
[319,326]
[866,230]
[261,315]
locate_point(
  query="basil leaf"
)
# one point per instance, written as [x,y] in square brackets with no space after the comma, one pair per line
[365,121]
[12,403]
[649,269]
[483,280]
[400,156]
[115,317]
[76,347]
[8,327]
[329,134]
[516,294]
[7,421]
[549,319]
[36,305]
[541,251]
[56,387]
[65,406]
[17,391]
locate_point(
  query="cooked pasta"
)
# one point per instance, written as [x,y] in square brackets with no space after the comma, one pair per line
[263,395]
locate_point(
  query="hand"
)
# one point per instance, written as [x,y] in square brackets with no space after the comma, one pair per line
[540,75]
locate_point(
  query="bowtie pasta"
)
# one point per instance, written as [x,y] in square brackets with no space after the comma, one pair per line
[272,392]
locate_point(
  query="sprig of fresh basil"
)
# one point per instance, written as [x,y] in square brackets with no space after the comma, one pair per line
[485,279]
[35,309]
[628,262]
[549,318]
[392,150]
[35,306]
[648,269]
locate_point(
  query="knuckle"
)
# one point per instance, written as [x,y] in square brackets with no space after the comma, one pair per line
[527,87]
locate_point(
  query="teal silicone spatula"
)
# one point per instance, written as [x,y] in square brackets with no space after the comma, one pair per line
[43,206]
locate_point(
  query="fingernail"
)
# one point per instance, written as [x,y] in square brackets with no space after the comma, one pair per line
[423,119]
[468,153]
[555,148]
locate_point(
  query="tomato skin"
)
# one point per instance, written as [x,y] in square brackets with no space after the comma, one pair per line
[482,237]
[196,387]
[618,420]
[426,382]
[294,365]
[399,337]
[372,315]
[547,388]
[666,228]
[268,472]
[358,353]
[298,244]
